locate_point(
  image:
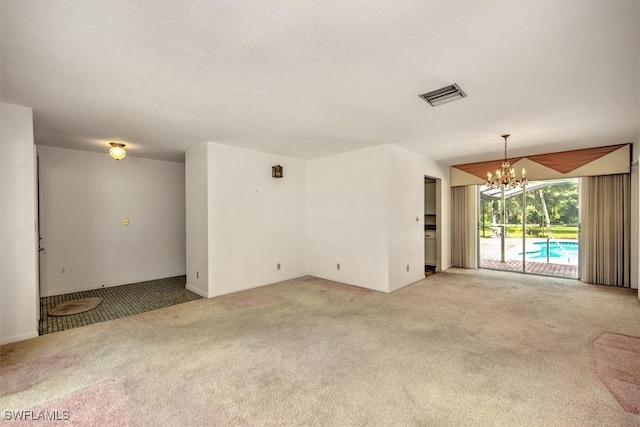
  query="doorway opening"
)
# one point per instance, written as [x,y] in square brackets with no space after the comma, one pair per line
[431,225]
[91,245]
[532,230]
[117,301]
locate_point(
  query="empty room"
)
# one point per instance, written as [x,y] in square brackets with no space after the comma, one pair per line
[320,213]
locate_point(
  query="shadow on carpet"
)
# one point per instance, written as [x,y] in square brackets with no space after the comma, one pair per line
[339,286]
[617,360]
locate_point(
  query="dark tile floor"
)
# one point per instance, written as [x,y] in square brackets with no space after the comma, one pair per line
[117,301]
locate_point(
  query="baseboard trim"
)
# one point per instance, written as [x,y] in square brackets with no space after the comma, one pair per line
[347,282]
[18,337]
[395,288]
[48,293]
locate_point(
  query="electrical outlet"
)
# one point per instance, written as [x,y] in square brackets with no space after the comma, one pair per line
[407,267]
[197,274]
[278,267]
[338,266]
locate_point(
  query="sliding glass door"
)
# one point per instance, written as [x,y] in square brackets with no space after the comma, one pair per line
[553,219]
[500,233]
[534,230]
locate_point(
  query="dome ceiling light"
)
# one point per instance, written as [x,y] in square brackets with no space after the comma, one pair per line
[117,151]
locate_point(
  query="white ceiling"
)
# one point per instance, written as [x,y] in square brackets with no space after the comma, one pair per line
[311,79]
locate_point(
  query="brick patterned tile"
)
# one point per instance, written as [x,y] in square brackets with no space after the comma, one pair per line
[541,268]
[491,255]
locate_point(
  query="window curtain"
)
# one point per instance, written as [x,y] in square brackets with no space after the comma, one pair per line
[464,226]
[606,226]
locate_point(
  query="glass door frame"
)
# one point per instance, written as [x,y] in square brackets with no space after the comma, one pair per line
[503,228]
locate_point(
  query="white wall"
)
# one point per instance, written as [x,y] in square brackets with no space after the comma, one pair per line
[406,217]
[197,210]
[349,218]
[634,216]
[358,209]
[443,208]
[635,204]
[19,303]
[84,198]
[634,256]
[254,221]
[362,214]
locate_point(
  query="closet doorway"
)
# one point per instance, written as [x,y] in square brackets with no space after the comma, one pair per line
[430,225]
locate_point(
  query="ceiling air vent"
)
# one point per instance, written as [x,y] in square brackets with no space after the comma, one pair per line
[443,95]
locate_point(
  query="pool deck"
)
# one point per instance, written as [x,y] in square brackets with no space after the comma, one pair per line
[490,258]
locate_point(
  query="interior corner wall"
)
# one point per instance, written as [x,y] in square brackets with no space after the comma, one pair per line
[256,222]
[355,209]
[348,218]
[363,207]
[85,198]
[197,214]
[19,302]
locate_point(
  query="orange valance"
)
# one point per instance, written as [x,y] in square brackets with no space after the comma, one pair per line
[604,160]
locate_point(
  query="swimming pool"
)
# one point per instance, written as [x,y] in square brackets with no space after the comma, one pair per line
[561,252]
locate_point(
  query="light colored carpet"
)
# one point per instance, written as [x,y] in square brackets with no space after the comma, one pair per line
[617,359]
[75,306]
[459,348]
[340,286]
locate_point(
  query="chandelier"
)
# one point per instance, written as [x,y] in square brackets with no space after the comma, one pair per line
[506,175]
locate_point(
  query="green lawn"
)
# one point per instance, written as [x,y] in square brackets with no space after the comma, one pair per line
[557,231]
